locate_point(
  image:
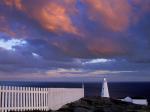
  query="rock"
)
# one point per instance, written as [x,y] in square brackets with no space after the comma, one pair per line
[80,109]
[98,104]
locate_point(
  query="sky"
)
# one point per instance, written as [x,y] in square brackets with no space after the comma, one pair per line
[75,40]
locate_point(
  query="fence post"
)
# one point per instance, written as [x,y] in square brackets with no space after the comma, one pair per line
[0,98]
[8,98]
[1,93]
[35,99]
[23,98]
[32,92]
[12,97]
[39,101]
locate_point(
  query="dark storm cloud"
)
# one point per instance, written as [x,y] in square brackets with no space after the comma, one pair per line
[63,33]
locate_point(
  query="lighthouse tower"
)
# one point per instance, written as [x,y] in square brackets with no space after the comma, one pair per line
[105,92]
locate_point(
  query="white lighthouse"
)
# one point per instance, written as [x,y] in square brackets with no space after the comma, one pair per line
[105,92]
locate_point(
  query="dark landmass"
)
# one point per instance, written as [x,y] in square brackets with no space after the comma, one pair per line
[98,104]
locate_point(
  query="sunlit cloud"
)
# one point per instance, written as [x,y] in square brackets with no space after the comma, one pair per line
[101,60]
[61,72]
[109,72]
[10,44]
[14,3]
[35,55]
[54,18]
[114,13]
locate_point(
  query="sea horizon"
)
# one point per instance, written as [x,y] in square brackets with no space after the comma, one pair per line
[116,89]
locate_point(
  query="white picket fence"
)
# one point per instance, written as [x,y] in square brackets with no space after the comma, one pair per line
[34,98]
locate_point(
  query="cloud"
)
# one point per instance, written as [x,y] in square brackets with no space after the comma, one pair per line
[62,27]
[14,3]
[67,33]
[10,44]
[19,18]
[114,13]
[60,72]
[54,17]
[35,55]
[101,60]
[106,47]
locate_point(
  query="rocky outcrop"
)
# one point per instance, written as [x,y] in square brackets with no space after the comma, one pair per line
[98,104]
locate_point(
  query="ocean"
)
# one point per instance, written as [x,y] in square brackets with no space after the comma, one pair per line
[116,90]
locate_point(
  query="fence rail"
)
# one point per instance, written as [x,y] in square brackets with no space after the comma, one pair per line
[34,98]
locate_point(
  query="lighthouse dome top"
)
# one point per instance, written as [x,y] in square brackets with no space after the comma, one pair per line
[104,79]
